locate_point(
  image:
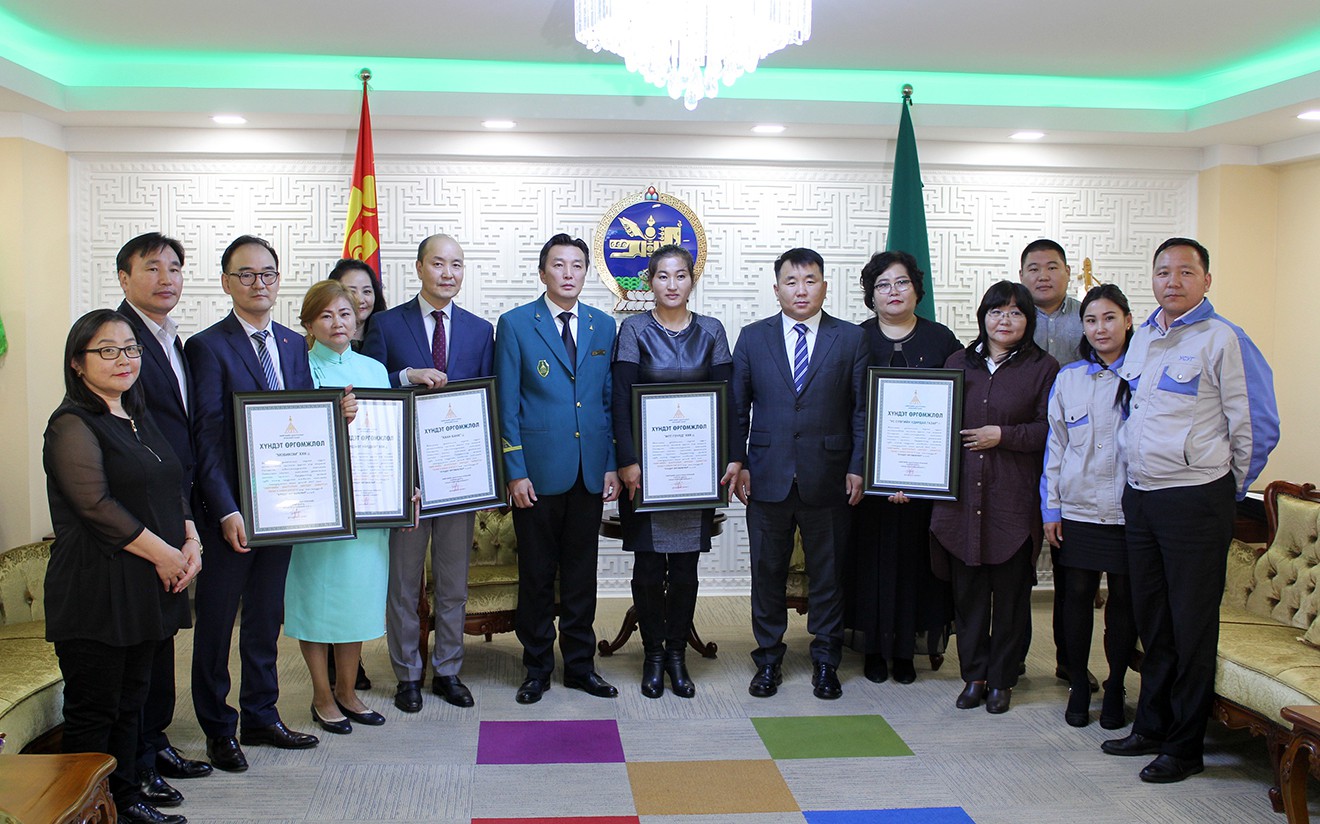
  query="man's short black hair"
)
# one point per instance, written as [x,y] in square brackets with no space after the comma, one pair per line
[562,239]
[1201,251]
[1043,245]
[145,245]
[246,240]
[800,257]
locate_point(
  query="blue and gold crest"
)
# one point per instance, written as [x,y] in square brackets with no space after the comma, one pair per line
[631,231]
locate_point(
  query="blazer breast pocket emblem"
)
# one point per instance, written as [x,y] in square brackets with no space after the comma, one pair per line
[542,368]
[597,352]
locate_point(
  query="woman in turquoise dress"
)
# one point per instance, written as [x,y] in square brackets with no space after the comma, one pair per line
[335,593]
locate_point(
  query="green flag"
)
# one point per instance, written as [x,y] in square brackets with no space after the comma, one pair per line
[907,212]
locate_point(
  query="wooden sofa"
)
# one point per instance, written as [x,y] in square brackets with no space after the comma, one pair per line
[1269,635]
[31,687]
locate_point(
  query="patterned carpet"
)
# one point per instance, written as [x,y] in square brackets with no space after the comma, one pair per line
[882,754]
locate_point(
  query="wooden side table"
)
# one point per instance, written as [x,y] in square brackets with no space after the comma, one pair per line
[58,788]
[1300,757]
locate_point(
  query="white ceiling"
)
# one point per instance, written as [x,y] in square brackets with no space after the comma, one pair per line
[1133,40]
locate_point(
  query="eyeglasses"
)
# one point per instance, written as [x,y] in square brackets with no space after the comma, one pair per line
[884,287]
[248,278]
[1014,315]
[133,350]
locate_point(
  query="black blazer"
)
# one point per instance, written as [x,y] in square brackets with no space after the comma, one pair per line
[160,389]
[817,437]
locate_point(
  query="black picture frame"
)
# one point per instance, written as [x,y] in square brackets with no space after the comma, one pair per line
[925,428]
[714,397]
[310,468]
[406,438]
[431,448]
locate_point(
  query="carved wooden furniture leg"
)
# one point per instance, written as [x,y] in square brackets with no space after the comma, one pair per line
[703,649]
[1302,756]
[57,788]
[626,630]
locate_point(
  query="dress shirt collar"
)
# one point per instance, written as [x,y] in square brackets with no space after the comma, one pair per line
[1199,312]
[169,327]
[427,307]
[556,310]
[250,330]
[812,323]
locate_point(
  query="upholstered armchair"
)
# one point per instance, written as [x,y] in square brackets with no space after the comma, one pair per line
[31,686]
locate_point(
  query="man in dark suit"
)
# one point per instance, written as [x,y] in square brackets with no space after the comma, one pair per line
[244,352]
[552,365]
[151,275]
[798,401]
[429,341]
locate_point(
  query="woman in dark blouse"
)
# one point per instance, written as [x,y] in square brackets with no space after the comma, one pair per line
[989,538]
[669,344]
[117,573]
[364,285]
[892,597]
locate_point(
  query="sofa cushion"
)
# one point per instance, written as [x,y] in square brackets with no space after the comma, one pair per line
[1286,577]
[23,582]
[31,690]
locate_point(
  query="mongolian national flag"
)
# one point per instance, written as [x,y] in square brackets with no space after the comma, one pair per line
[907,211]
[362,233]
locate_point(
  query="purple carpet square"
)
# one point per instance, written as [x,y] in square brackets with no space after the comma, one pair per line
[549,742]
[916,815]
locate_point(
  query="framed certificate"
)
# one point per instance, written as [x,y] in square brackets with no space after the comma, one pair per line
[295,481]
[459,462]
[682,444]
[383,451]
[912,422]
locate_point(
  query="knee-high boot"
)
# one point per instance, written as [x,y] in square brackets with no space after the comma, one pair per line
[649,599]
[680,603]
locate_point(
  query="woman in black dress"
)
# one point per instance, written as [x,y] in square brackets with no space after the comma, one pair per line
[364,285]
[669,344]
[116,579]
[892,598]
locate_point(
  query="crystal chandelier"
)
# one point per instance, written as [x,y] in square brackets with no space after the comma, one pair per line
[689,46]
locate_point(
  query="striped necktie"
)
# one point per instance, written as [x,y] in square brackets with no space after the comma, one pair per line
[800,357]
[267,365]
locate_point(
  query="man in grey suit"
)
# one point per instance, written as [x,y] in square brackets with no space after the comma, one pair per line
[799,406]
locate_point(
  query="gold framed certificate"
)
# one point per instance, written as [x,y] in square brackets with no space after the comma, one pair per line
[912,422]
[459,462]
[293,462]
[682,444]
[383,457]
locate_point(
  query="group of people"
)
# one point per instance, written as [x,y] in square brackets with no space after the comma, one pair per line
[1133,452]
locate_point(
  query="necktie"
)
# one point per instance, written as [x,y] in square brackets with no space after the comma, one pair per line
[267,365]
[569,345]
[438,354]
[800,357]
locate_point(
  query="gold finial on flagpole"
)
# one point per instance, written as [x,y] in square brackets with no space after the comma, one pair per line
[364,75]
[907,92]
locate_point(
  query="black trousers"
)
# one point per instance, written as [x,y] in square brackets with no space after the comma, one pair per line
[104,689]
[825,534]
[254,580]
[558,535]
[992,610]
[158,711]
[1177,543]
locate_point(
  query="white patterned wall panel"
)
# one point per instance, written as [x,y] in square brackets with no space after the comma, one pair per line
[979,219]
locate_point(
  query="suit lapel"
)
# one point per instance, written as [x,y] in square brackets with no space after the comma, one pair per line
[154,350]
[549,332]
[412,319]
[242,347]
[292,347]
[826,335]
[586,331]
[774,333]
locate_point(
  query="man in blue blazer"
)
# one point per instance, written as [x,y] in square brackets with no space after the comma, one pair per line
[552,366]
[151,274]
[428,342]
[244,352]
[797,450]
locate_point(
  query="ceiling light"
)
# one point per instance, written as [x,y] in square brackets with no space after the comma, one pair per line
[1027,135]
[1313,114]
[229,119]
[498,124]
[768,128]
[691,53]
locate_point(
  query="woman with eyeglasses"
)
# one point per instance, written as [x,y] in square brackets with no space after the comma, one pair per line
[891,596]
[988,539]
[117,574]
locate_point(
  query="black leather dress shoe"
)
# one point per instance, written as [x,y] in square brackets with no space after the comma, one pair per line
[280,736]
[408,696]
[155,791]
[1168,769]
[825,679]
[340,727]
[1134,744]
[875,668]
[970,697]
[766,681]
[370,718]
[531,690]
[224,754]
[997,700]
[144,812]
[452,690]
[903,671]
[172,764]
[591,684]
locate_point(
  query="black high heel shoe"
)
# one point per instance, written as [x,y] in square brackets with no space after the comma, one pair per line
[1113,714]
[1078,713]
[340,727]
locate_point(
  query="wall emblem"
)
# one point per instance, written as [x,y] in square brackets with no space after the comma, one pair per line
[630,231]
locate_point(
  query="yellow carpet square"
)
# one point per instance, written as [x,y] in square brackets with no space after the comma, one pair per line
[709,788]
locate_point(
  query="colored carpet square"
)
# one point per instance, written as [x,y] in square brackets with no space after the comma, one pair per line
[549,742]
[709,788]
[918,815]
[603,819]
[830,736]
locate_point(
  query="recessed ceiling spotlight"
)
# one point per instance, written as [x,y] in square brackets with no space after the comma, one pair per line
[1027,135]
[768,128]
[498,124]
[1313,114]
[229,119]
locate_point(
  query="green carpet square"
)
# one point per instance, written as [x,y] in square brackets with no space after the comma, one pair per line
[830,736]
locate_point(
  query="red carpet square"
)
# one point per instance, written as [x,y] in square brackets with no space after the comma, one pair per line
[709,788]
[549,742]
